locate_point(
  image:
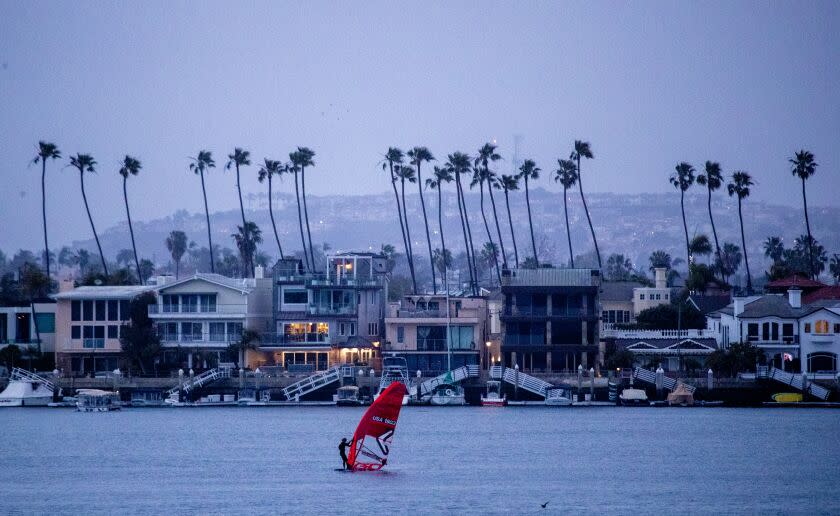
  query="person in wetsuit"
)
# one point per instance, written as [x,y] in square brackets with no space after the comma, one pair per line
[342,450]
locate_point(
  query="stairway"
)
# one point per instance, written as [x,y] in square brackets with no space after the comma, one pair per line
[211,375]
[311,383]
[26,376]
[796,380]
[521,380]
[646,375]
[454,376]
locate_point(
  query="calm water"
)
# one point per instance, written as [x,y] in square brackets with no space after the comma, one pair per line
[445,460]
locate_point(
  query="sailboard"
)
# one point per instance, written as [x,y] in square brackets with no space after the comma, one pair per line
[372,439]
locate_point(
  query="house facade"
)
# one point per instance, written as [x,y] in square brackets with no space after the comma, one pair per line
[436,333]
[550,318]
[19,328]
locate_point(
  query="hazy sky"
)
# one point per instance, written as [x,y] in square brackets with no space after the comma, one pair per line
[647,83]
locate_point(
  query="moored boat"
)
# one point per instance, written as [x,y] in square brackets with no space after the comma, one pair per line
[394,369]
[96,400]
[633,397]
[26,389]
[448,394]
[558,398]
[347,396]
[493,396]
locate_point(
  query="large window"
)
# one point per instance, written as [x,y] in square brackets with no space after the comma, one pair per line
[234,330]
[87,310]
[217,331]
[295,296]
[208,302]
[822,362]
[100,310]
[75,310]
[752,332]
[45,322]
[431,338]
[190,331]
[306,332]
[113,308]
[821,326]
[461,337]
[373,329]
[125,310]
[189,303]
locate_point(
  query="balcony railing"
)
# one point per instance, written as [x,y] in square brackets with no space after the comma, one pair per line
[157,309]
[542,311]
[297,340]
[192,338]
[790,340]
[610,330]
[326,310]
[323,280]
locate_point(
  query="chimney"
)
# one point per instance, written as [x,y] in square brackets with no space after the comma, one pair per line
[738,307]
[259,272]
[661,277]
[795,297]
[66,285]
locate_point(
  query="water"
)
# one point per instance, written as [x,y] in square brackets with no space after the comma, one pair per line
[444,460]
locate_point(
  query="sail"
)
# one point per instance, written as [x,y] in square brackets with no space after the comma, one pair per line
[372,440]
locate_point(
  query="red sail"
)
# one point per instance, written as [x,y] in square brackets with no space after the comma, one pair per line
[372,440]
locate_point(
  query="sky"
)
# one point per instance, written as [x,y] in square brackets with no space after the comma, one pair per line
[649,84]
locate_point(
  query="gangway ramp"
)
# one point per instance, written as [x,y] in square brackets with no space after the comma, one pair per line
[454,376]
[27,376]
[796,381]
[312,383]
[646,375]
[521,380]
[209,376]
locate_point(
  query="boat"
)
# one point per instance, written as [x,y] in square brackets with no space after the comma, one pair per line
[558,398]
[787,397]
[633,397]
[448,394]
[681,396]
[146,399]
[347,396]
[394,369]
[96,400]
[494,396]
[372,438]
[27,389]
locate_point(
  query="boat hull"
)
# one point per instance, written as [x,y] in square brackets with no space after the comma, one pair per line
[493,402]
[455,400]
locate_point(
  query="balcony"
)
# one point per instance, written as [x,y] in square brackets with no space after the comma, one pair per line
[214,339]
[611,330]
[193,310]
[336,310]
[792,340]
[325,281]
[302,340]
[542,311]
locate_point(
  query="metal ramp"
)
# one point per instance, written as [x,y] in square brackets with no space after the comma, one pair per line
[454,376]
[525,381]
[646,375]
[27,376]
[796,381]
[311,383]
[209,376]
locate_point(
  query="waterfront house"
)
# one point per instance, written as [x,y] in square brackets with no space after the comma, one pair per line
[550,318]
[622,301]
[674,350]
[199,317]
[650,297]
[17,327]
[416,329]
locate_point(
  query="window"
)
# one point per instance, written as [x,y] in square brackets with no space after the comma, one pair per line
[189,303]
[87,310]
[190,331]
[125,310]
[170,303]
[400,334]
[666,297]
[836,327]
[807,327]
[342,329]
[75,310]
[787,330]
[88,331]
[752,331]
[45,322]
[297,296]
[822,362]
[821,326]
[641,297]
[627,315]
[76,332]
[208,302]
[234,330]
[113,331]
[217,331]
[352,329]
[373,328]
[113,307]
[98,332]
[168,331]
[100,310]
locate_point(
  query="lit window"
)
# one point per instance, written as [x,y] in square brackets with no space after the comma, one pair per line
[821,326]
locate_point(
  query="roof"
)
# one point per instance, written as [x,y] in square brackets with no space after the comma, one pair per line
[232,283]
[552,277]
[708,304]
[105,292]
[777,305]
[832,292]
[686,344]
[794,281]
[618,290]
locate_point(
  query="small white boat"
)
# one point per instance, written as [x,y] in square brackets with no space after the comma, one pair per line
[26,389]
[494,396]
[633,397]
[347,396]
[394,369]
[558,398]
[95,400]
[448,394]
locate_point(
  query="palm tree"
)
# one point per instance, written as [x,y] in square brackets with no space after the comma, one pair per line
[201,163]
[489,257]
[295,159]
[712,179]
[804,167]
[486,155]
[509,184]
[700,245]
[46,151]
[682,179]
[529,170]
[305,155]
[583,150]
[392,162]
[659,260]
[740,186]
[774,249]
[459,163]
[406,173]
[730,261]
[239,158]
[131,166]
[269,169]
[443,260]
[86,163]
[479,178]
[176,243]
[246,239]
[442,175]
[834,268]
[418,155]
[567,176]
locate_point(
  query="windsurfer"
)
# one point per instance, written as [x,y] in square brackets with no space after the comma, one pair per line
[342,450]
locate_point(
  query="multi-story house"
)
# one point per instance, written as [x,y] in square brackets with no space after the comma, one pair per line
[417,327]
[87,326]
[550,318]
[326,318]
[18,327]
[197,318]
[622,301]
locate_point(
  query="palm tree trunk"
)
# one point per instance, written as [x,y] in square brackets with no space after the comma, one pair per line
[207,215]
[498,229]
[568,229]
[685,228]
[95,235]
[300,224]
[177,268]
[426,222]
[402,226]
[271,214]
[744,246]
[250,264]
[464,228]
[808,227]
[35,322]
[588,219]
[306,213]
[512,234]
[472,246]
[131,231]
[487,229]
[714,232]
[530,222]
[442,240]
[408,233]
[44,211]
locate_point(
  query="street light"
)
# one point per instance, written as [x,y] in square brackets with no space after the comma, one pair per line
[487,346]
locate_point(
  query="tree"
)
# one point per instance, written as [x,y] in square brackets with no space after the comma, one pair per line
[487,154]
[700,245]
[248,340]
[619,359]
[682,179]
[730,260]
[441,175]
[406,173]
[479,178]
[239,158]
[443,260]
[34,285]
[567,176]
[392,162]
[740,186]
[459,163]
[294,160]
[490,257]
[46,151]
[804,167]
[302,158]
[269,169]
[139,339]
[736,359]
[659,260]
[417,156]
[67,257]
[774,249]
[86,163]
[131,167]
[619,268]
[509,184]
[201,163]
[10,356]
[124,257]
[671,317]
[147,268]
[712,179]
[247,238]
[583,150]
[834,268]
[176,243]
[529,170]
